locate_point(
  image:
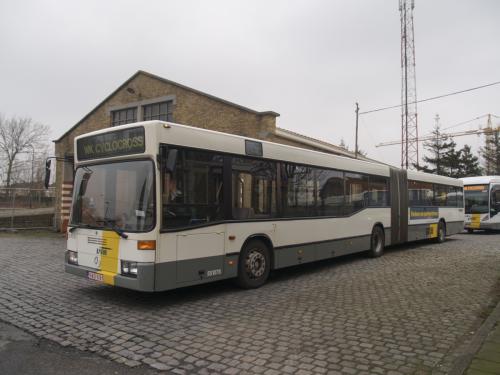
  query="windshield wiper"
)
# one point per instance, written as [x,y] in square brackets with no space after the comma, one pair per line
[110,224]
[79,225]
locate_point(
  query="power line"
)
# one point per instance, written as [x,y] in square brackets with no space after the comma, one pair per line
[468,121]
[432,98]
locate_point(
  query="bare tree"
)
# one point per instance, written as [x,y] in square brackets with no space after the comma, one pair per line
[19,135]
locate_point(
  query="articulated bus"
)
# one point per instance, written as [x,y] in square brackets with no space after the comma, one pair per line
[482,203]
[157,206]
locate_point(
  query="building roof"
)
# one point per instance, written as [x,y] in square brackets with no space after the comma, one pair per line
[329,147]
[141,72]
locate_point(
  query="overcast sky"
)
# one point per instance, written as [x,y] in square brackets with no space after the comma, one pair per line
[309,60]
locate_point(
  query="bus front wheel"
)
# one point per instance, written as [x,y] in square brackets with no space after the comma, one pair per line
[377,242]
[254,265]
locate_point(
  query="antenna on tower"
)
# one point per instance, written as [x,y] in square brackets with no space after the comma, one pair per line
[409,129]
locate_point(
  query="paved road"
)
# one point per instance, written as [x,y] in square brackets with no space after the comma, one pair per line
[22,353]
[409,312]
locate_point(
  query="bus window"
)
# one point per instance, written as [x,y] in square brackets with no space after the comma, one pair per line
[476,199]
[298,191]
[356,189]
[254,188]
[330,200]
[460,196]
[419,193]
[192,194]
[451,196]
[116,194]
[440,195]
[379,191]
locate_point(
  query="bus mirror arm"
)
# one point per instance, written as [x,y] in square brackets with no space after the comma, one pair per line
[48,162]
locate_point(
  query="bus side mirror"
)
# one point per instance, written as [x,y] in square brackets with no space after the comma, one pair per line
[171,161]
[48,162]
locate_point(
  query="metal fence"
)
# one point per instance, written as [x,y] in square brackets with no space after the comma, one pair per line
[24,208]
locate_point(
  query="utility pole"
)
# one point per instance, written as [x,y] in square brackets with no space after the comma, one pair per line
[409,129]
[32,169]
[356,141]
[438,135]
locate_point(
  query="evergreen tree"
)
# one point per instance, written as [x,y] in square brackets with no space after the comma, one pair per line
[443,159]
[491,152]
[345,146]
[451,160]
[469,163]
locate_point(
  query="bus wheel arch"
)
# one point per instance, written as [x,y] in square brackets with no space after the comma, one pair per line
[377,241]
[255,262]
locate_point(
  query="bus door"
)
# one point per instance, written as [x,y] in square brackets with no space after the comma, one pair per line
[399,206]
[192,197]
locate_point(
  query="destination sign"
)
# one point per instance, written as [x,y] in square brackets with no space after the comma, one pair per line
[476,188]
[117,143]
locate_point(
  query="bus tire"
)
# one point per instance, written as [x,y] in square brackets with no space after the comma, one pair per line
[441,235]
[470,230]
[377,242]
[254,265]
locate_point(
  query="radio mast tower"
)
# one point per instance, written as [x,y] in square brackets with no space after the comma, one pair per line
[409,130]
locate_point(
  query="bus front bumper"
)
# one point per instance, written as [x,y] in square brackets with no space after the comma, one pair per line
[483,226]
[144,281]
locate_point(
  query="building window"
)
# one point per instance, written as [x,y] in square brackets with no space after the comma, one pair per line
[123,116]
[157,111]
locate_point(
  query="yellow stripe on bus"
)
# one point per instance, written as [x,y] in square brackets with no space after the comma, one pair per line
[109,257]
[475,221]
[433,230]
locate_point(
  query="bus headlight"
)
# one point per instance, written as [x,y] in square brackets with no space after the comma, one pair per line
[129,268]
[73,257]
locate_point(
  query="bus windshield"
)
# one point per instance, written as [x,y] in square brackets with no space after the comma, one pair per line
[115,195]
[476,199]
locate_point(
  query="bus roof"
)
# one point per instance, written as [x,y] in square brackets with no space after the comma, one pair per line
[189,136]
[480,180]
[433,178]
[183,135]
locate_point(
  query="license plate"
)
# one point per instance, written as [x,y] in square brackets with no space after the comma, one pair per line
[95,276]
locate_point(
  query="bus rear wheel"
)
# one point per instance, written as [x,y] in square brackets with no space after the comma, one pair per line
[441,235]
[377,242]
[254,265]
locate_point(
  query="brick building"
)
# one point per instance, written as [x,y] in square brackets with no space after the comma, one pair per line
[145,96]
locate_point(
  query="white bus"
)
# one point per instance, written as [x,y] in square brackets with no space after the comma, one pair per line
[482,203]
[158,206]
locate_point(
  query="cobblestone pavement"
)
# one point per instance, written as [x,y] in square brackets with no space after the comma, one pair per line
[409,312]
